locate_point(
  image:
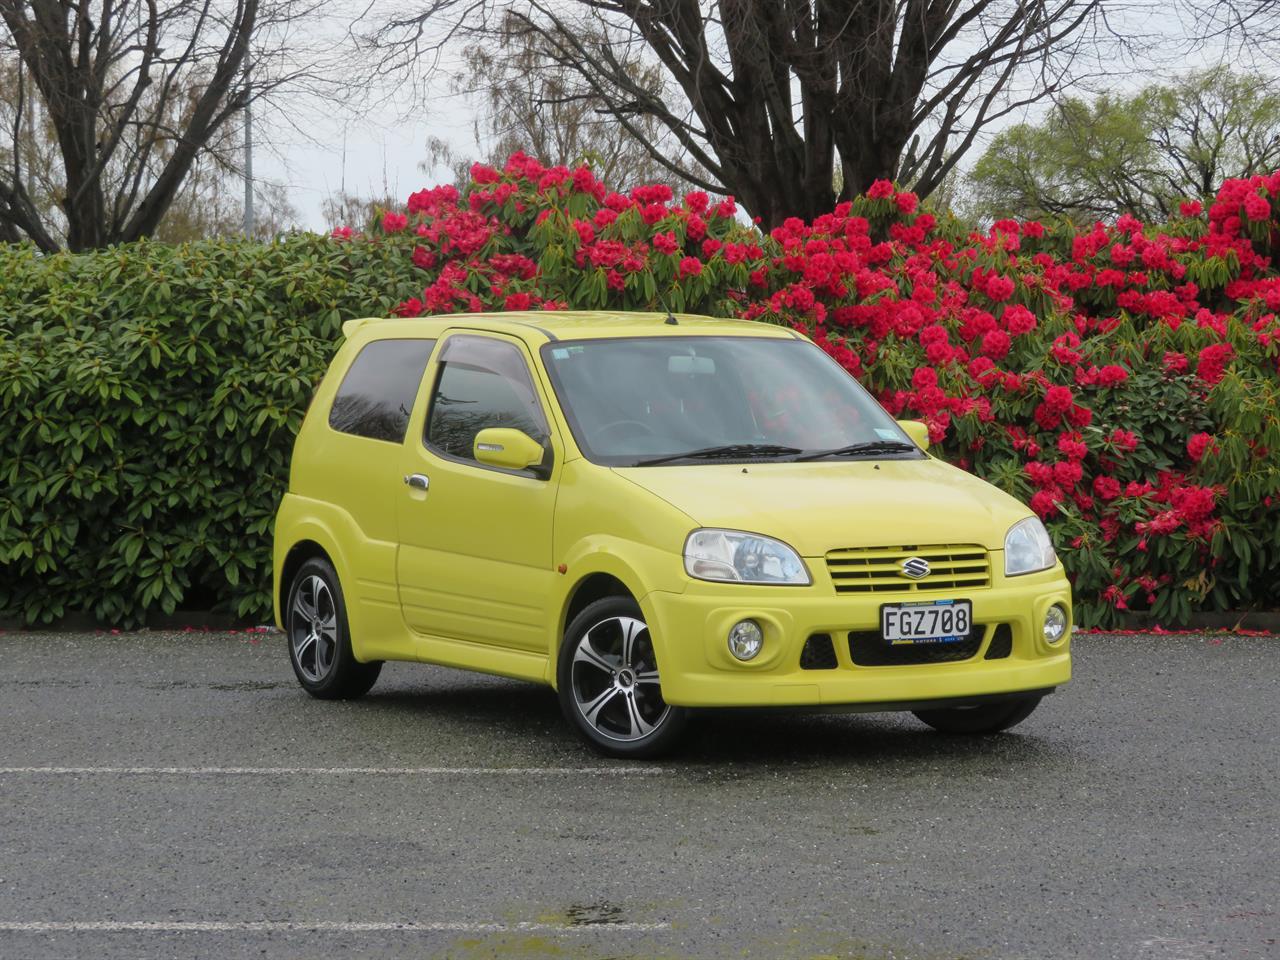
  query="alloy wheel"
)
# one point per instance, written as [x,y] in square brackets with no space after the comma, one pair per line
[614,680]
[313,628]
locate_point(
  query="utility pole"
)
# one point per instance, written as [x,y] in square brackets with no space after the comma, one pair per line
[248,153]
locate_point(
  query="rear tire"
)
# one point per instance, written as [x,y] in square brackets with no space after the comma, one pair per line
[608,682]
[319,639]
[981,718]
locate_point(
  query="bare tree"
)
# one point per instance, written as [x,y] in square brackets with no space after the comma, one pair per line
[1252,25]
[134,92]
[343,209]
[774,94]
[211,204]
[527,101]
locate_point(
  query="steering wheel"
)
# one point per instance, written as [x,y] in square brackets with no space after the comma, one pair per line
[615,424]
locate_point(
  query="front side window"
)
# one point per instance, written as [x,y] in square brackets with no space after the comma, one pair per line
[482,383]
[648,400]
[378,391]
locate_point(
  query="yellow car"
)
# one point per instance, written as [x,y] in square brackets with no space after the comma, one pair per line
[653,513]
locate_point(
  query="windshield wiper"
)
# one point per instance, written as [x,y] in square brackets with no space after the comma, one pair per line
[728,451]
[867,446]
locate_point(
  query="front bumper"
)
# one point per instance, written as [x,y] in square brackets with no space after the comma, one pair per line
[689,630]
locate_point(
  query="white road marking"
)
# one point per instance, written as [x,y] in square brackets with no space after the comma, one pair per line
[284,926]
[333,771]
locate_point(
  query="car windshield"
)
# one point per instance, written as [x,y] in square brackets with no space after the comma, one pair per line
[647,400]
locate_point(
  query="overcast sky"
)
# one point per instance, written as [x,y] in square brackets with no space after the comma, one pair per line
[370,153]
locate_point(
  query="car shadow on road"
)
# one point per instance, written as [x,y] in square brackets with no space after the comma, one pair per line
[528,713]
[858,739]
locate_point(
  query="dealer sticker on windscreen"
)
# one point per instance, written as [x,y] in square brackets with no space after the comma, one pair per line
[928,621]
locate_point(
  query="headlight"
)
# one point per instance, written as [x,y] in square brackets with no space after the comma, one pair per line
[1027,548]
[742,558]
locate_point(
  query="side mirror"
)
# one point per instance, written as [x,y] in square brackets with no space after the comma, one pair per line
[917,431]
[507,448]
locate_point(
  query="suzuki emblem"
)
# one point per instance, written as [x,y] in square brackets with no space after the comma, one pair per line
[915,568]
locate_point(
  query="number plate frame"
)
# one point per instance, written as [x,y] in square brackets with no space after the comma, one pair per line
[931,637]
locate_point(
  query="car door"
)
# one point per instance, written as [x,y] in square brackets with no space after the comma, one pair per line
[353,461]
[475,559]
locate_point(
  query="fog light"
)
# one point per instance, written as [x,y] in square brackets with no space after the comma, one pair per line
[745,639]
[1055,624]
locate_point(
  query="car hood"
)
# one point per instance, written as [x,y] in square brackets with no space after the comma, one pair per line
[829,505]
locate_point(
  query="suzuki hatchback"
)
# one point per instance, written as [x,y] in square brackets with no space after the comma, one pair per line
[653,514]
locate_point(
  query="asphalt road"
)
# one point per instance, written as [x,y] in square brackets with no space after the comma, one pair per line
[176,795]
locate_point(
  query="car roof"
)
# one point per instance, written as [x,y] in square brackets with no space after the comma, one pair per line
[569,325]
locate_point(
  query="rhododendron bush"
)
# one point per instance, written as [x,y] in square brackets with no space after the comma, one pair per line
[1123,380]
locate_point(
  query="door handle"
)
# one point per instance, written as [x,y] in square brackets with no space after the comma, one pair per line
[418,481]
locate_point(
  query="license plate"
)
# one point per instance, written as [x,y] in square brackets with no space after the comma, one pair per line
[928,621]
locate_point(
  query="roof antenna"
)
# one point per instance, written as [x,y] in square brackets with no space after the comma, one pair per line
[671,320]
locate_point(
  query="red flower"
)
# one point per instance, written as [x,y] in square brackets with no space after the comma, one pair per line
[1079,416]
[410,308]
[651,213]
[519,301]
[1018,319]
[924,377]
[880,190]
[1069,444]
[394,222]
[1068,472]
[996,344]
[999,288]
[1112,375]
[1041,474]
[1199,445]
[1213,362]
[697,201]
[1046,417]
[666,242]
[906,202]
[1256,207]
[433,201]
[653,193]
[1045,502]
[726,208]
[1123,440]
[1106,488]
[1058,399]
[690,267]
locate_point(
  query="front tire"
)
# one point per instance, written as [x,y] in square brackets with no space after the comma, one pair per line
[608,682]
[319,638]
[981,718]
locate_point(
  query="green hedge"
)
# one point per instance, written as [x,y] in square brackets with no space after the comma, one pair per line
[149,397]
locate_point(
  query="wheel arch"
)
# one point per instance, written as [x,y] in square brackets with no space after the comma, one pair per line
[589,589]
[597,581]
[298,554]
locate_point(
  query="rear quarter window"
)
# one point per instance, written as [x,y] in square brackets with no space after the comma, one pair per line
[377,393]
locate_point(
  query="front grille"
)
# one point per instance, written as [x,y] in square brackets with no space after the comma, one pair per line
[819,653]
[1001,643]
[952,567]
[868,649]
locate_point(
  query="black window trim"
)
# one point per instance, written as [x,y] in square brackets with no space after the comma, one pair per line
[540,471]
[328,418]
